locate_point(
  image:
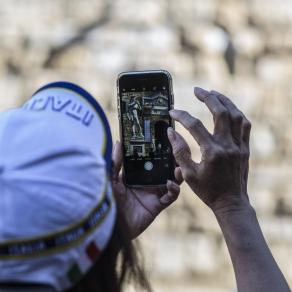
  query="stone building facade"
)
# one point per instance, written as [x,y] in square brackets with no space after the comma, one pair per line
[242,48]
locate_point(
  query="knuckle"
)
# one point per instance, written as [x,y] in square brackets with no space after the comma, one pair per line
[181,115]
[193,123]
[245,154]
[222,154]
[216,154]
[222,113]
[233,152]
[237,117]
[179,152]
[184,114]
[247,124]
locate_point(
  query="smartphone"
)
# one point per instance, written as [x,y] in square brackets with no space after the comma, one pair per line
[144,101]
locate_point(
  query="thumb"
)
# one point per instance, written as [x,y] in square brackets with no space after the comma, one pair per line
[180,148]
[117,159]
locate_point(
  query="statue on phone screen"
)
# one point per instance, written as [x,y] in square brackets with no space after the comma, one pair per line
[134,108]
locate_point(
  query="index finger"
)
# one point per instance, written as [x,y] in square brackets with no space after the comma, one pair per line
[193,125]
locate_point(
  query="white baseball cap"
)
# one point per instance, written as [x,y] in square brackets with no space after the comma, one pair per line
[57,210]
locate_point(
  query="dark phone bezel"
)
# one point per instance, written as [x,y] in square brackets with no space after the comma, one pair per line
[151,76]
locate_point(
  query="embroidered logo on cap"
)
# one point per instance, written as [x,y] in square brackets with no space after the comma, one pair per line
[73,109]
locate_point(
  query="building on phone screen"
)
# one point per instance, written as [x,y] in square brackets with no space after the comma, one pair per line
[145,122]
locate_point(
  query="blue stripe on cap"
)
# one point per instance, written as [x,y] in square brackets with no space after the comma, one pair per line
[75,88]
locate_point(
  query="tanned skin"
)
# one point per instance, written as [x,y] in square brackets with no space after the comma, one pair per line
[220,181]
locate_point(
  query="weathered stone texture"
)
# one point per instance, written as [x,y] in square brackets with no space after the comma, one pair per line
[242,48]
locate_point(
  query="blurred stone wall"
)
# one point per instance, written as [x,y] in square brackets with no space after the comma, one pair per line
[242,48]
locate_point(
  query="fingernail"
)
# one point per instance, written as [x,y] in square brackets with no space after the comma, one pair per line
[171,134]
[200,93]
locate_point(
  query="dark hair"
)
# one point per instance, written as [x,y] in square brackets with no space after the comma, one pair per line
[118,265]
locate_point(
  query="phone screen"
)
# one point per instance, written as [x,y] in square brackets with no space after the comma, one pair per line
[145,101]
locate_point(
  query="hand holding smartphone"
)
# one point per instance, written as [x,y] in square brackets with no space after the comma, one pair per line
[144,101]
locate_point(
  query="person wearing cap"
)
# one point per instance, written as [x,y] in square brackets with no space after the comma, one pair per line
[62,221]
[65,214]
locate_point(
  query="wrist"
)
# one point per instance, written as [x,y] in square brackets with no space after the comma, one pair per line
[240,226]
[231,204]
